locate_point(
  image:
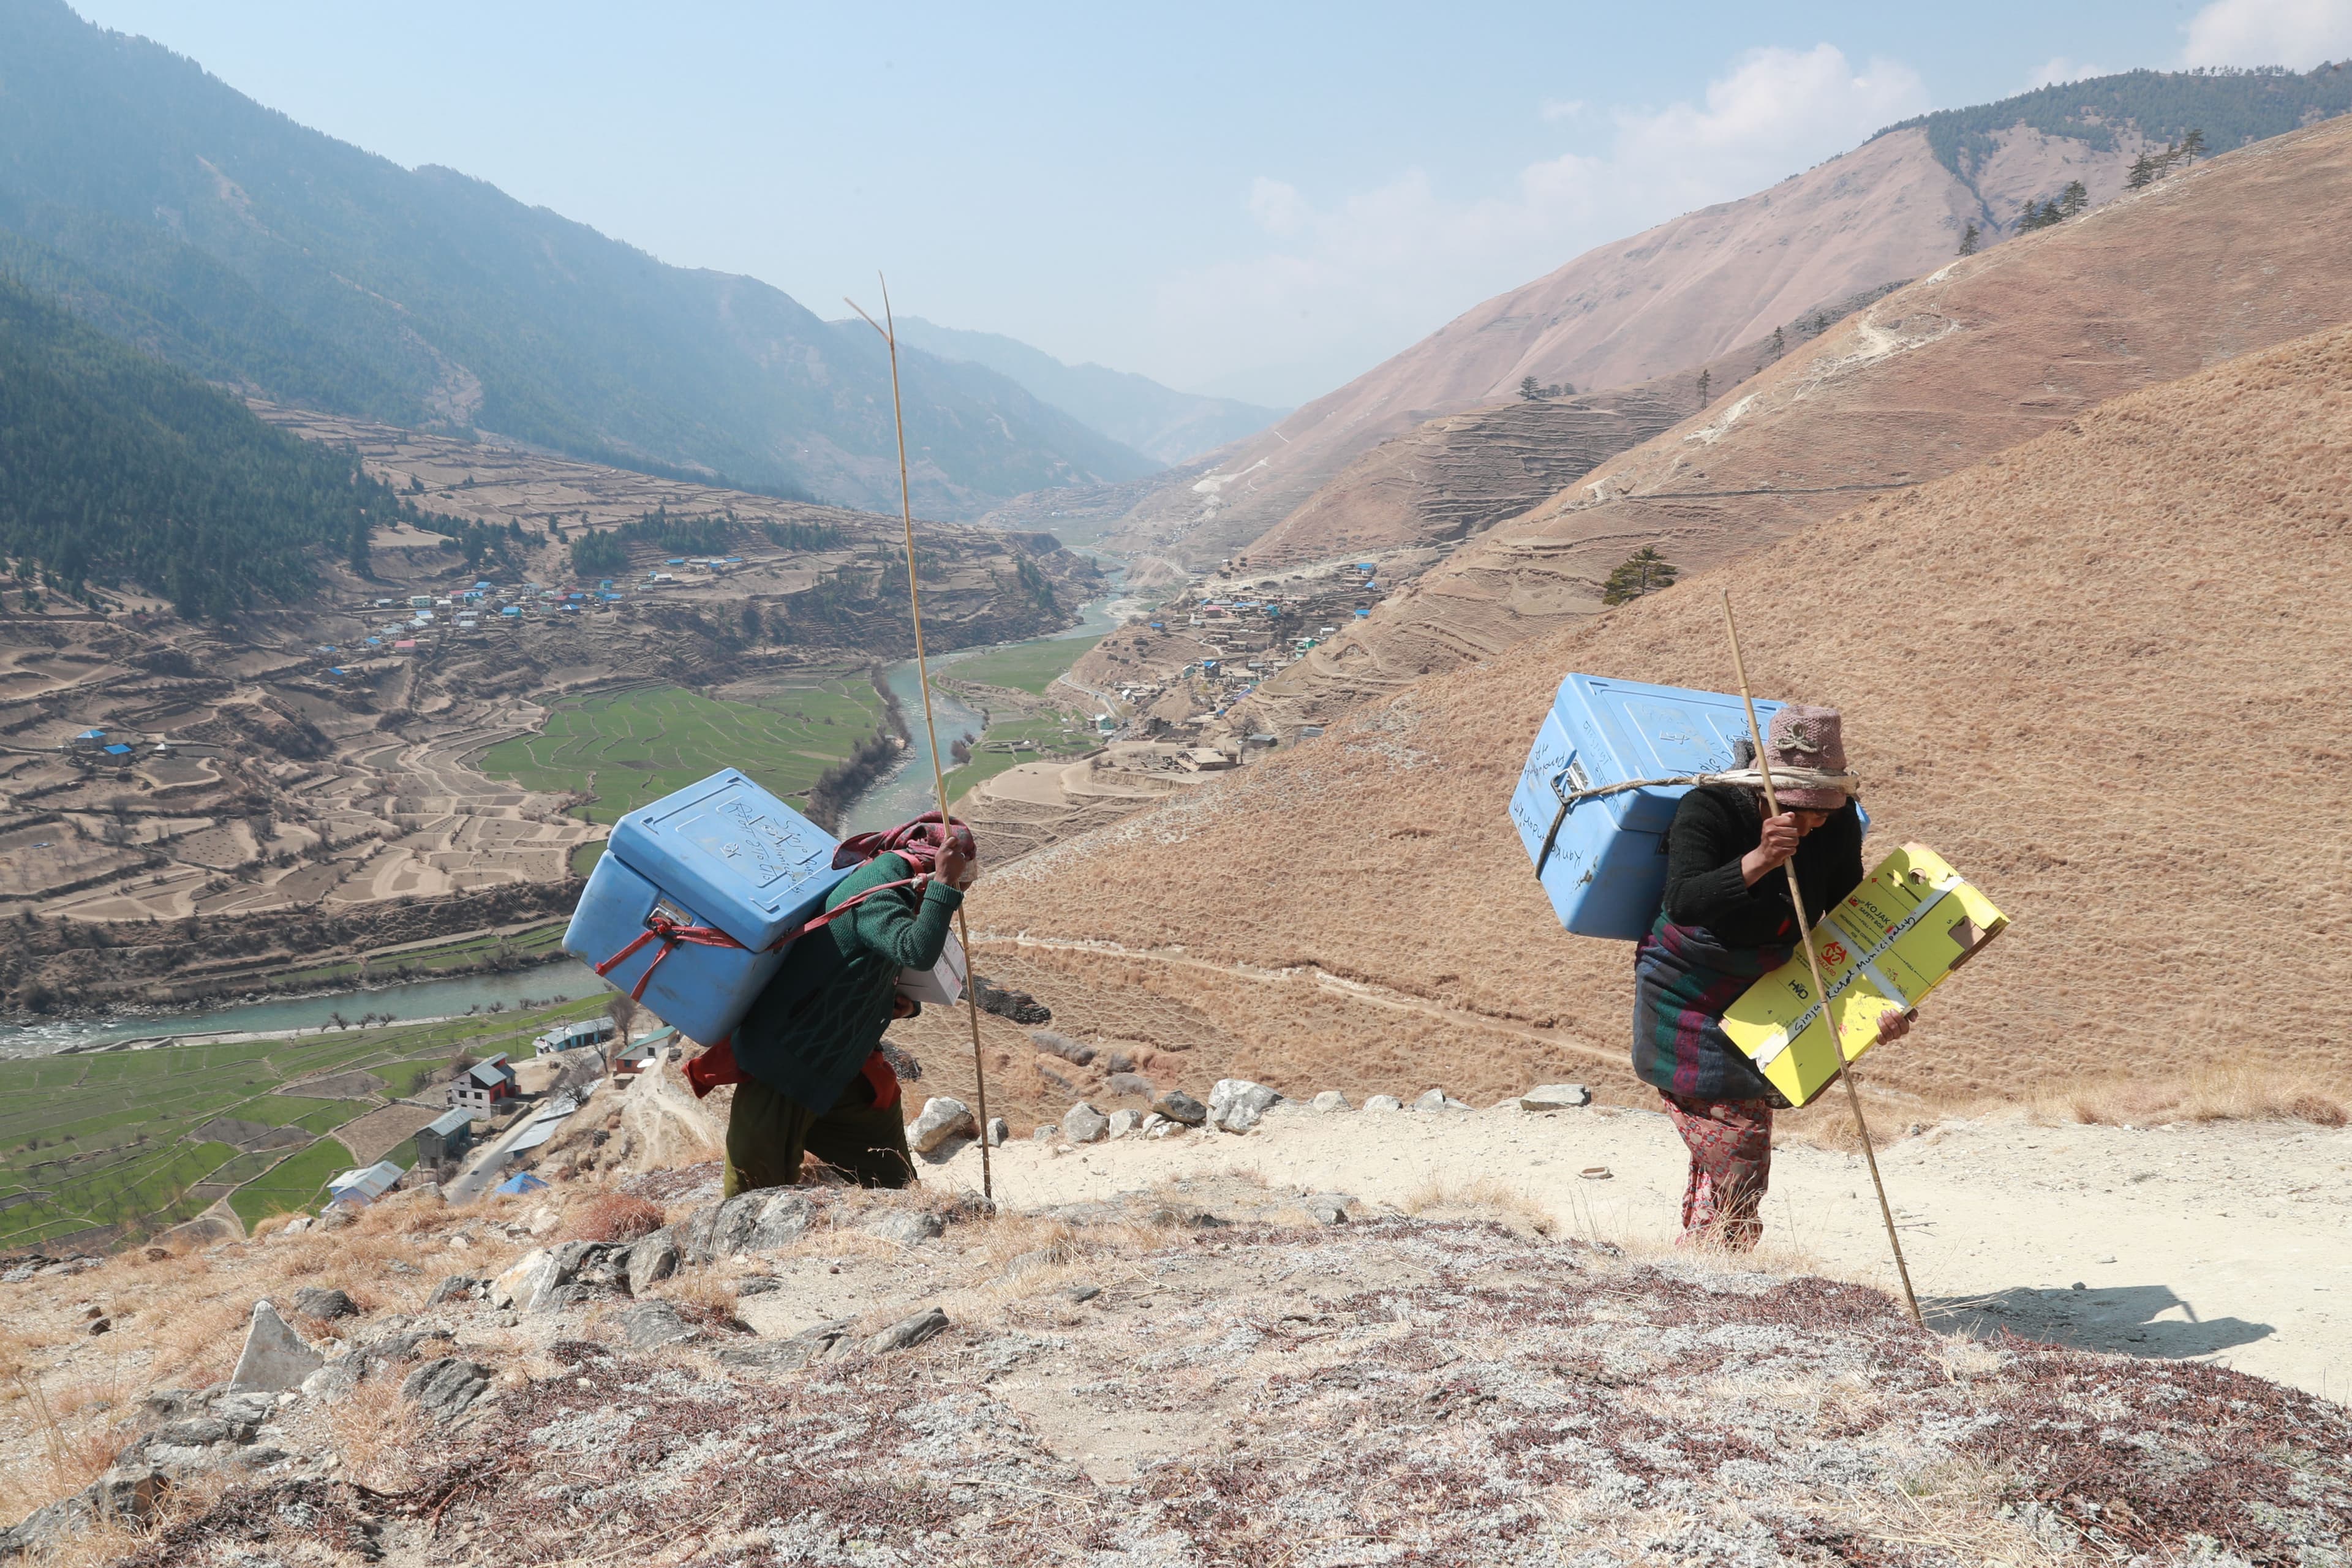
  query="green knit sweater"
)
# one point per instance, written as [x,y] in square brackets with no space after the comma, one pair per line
[825,1011]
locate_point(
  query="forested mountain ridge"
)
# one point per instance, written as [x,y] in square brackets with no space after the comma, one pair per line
[115,467]
[171,210]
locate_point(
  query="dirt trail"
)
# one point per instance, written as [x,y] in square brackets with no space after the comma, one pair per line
[2227,1243]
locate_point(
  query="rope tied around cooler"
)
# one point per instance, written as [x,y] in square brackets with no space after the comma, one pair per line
[674,935]
[1749,777]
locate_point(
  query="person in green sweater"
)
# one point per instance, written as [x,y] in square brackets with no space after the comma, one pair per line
[814,1079]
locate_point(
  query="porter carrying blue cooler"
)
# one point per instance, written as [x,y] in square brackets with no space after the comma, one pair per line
[687,908]
[1603,859]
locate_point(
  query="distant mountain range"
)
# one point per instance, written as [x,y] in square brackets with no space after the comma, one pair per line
[1675,296]
[170,211]
[1135,410]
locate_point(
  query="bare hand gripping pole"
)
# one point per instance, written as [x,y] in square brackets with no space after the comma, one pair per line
[888,328]
[1813,963]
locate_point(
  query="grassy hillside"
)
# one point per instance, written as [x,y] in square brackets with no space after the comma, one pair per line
[171,210]
[114,466]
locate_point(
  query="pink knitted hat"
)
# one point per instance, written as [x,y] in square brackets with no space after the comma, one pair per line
[1804,736]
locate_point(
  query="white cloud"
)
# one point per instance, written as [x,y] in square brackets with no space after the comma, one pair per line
[1277,205]
[2059,69]
[1561,109]
[1348,279]
[2298,34]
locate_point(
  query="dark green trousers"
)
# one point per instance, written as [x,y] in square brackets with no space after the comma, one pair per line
[767,1134]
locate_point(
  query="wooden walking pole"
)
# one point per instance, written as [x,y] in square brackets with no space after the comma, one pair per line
[930,728]
[1813,963]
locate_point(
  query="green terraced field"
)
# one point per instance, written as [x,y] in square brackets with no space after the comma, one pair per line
[1028,667]
[298,1182]
[631,747]
[107,1138]
[1047,730]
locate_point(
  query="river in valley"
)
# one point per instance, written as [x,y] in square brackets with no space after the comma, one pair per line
[912,788]
[905,792]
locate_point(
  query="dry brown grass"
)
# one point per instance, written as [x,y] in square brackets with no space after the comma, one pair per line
[1485,1197]
[2093,614]
[2236,1091]
[613,1216]
[70,1453]
[374,1434]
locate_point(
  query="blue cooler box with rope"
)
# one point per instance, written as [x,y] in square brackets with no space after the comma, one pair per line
[692,895]
[1606,872]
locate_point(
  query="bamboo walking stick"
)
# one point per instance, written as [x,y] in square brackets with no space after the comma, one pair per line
[1813,964]
[930,727]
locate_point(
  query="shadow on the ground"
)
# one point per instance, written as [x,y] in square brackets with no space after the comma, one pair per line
[2129,1320]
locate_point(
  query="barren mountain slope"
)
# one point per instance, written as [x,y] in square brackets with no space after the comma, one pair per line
[1672,296]
[1442,481]
[2238,253]
[2102,673]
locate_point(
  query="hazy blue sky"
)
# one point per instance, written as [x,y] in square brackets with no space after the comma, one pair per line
[1256,199]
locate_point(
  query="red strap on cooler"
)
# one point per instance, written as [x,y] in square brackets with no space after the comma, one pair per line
[716,1067]
[672,935]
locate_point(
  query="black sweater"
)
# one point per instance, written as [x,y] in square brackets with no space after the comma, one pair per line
[1714,827]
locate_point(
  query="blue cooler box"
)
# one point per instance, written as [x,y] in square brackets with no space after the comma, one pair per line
[1607,873]
[723,854]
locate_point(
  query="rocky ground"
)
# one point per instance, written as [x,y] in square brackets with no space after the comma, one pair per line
[1220,1367]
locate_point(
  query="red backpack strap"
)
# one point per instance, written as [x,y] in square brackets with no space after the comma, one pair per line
[714,1067]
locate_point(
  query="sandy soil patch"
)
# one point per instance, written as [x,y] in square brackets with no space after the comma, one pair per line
[2228,1244]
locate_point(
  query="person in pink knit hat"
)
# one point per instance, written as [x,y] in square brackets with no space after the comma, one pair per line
[1726,922]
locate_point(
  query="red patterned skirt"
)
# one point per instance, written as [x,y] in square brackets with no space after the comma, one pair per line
[1730,1144]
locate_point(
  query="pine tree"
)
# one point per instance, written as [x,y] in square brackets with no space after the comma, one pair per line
[1968,247]
[2143,173]
[2073,199]
[1644,572]
[2192,144]
[1704,378]
[1529,390]
[1779,342]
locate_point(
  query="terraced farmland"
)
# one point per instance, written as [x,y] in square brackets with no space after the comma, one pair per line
[629,747]
[139,1139]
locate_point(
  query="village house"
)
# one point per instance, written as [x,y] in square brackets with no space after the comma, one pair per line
[357,1189]
[446,1137]
[483,1085]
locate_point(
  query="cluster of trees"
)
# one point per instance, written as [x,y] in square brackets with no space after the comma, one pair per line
[708,534]
[1644,572]
[2069,203]
[2234,107]
[1530,391]
[2150,167]
[484,544]
[117,468]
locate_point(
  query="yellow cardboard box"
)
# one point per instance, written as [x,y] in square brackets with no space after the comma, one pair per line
[1896,938]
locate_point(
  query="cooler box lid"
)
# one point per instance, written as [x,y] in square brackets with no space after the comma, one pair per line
[747,862]
[1642,731]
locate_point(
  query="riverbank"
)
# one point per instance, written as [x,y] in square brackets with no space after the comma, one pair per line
[911,788]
